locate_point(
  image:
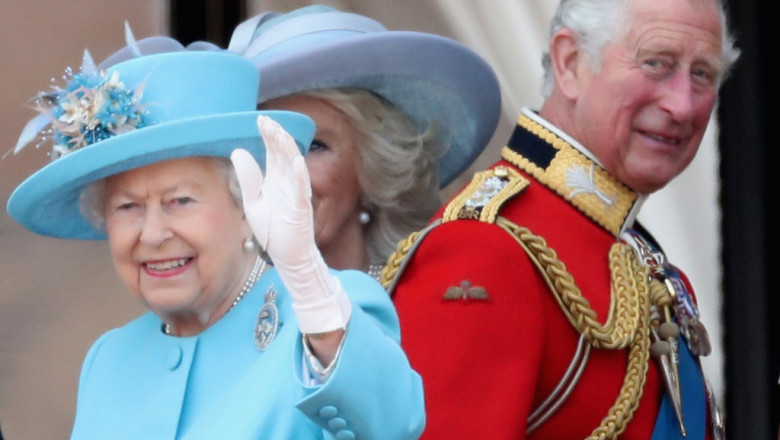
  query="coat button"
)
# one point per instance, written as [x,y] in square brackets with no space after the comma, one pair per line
[345,434]
[173,358]
[337,423]
[328,412]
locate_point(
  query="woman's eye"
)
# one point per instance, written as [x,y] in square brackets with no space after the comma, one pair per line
[181,201]
[317,145]
[125,206]
[122,210]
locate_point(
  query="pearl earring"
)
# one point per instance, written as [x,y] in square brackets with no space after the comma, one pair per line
[248,245]
[365,217]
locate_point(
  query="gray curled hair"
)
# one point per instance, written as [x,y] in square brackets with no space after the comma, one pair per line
[396,167]
[598,22]
[92,200]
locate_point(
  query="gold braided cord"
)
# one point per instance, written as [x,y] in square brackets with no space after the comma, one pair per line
[628,322]
[629,285]
[395,259]
[623,319]
[659,295]
[627,402]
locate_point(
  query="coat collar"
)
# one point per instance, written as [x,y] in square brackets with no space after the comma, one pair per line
[567,167]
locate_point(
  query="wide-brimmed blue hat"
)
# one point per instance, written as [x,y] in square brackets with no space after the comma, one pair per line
[140,111]
[434,80]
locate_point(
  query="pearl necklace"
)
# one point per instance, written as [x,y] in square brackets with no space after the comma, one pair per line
[257,270]
[375,270]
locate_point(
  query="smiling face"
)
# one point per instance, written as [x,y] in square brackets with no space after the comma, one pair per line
[644,112]
[331,162]
[176,237]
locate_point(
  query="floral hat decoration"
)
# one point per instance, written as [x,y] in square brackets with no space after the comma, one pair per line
[151,101]
[92,107]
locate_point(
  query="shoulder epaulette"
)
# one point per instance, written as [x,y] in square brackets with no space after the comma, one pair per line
[483,198]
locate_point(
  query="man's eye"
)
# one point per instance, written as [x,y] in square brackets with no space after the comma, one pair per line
[656,64]
[704,76]
[317,145]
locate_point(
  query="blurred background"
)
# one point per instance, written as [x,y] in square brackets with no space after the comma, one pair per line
[58,296]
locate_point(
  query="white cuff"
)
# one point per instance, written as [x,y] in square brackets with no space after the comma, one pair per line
[325,315]
[318,373]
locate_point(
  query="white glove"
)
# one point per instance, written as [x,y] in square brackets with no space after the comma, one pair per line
[279,211]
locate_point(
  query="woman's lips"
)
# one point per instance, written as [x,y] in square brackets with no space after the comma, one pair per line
[167,268]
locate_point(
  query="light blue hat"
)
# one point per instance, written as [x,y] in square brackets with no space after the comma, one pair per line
[433,79]
[143,110]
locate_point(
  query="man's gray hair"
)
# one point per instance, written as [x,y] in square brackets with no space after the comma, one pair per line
[597,22]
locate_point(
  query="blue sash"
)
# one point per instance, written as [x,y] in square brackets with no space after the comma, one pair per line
[694,403]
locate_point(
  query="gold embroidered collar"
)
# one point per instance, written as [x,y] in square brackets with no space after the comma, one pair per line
[564,166]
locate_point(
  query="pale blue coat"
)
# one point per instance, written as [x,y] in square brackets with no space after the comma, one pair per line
[138,383]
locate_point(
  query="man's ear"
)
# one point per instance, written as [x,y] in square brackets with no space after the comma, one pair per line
[566,59]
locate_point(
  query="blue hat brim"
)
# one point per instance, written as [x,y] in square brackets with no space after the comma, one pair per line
[47,202]
[435,80]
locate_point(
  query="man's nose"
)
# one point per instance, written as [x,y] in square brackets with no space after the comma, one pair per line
[678,97]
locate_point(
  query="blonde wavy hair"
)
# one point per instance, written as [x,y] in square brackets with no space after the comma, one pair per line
[396,166]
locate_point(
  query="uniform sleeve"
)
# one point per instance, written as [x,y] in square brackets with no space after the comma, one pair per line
[478,354]
[372,393]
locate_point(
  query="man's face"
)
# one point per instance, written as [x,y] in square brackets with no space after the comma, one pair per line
[644,113]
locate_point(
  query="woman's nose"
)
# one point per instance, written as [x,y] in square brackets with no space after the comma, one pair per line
[155,230]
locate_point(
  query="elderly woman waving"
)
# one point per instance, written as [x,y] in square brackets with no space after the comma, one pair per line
[237,344]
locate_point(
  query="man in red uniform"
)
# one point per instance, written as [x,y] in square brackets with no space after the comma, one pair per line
[534,306]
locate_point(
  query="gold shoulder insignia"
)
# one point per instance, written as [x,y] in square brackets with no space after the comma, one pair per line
[483,197]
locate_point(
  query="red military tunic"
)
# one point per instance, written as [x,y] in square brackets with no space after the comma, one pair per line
[481,325]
